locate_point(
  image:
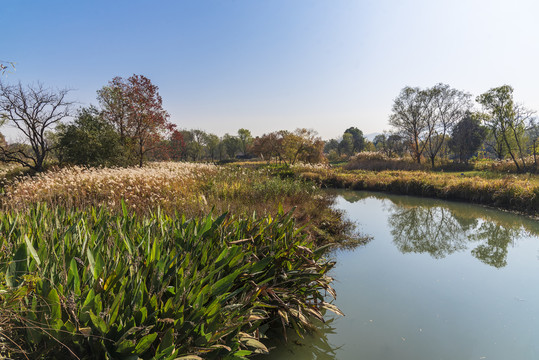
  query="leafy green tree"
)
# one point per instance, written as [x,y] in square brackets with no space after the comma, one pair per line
[290,147]
[232,145]
[380,141]
[358,140]
[494,144]
[212,145]
[507,122]
[246,139]
[90,140]
[467,137]
[346,146]
[301,145]
[332,145]
[395,145]
[389,144]
[533,140]
[195,142]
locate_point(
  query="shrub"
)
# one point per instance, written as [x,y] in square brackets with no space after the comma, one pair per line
[378,161]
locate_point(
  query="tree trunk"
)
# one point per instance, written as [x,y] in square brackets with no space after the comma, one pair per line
[511,152]
[534,156]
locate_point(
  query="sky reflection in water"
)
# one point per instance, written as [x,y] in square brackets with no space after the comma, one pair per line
[439,280]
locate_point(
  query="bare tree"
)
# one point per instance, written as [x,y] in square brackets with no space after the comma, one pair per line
[33,110]
[5,65]
[410,116]
[448,107]
[424,117]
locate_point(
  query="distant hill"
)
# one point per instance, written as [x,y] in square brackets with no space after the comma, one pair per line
[371,136]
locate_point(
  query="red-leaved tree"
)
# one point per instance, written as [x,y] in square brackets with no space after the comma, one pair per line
[135,108]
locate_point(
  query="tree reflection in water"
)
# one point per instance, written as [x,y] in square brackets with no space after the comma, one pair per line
[441,228]
[424,229]
[440,231]
[494,240]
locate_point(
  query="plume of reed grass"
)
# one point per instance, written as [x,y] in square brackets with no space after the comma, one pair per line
[192,189]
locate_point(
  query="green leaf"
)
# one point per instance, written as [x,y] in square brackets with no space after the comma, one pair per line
[166,343]
[73,277]
[223,285]
[91,261]
[126,346]
[32,250]
[124,207]
[86,306]
[53,299]
[242,353]
[116,307]
[17,267]
[55,309]
[145,343]
[155,253]
[99,265]
[260,265]
[99,323]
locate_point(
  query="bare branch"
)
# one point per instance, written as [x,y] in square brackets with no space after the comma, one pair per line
[33,110]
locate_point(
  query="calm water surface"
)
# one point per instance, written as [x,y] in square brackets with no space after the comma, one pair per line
[439,280]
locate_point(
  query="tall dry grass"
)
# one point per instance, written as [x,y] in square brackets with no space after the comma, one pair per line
[183,188]
[377,161]
[157,184]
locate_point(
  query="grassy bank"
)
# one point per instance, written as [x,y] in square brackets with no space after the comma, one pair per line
[512,192]
[95,284]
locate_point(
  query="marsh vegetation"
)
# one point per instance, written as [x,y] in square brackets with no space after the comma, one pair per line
[122,262]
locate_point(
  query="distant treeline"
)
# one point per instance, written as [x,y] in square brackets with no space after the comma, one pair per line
[130,126]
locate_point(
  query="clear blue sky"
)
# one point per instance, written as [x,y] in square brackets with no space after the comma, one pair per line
[276,64]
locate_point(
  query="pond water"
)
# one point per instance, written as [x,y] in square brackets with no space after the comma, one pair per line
[439,280]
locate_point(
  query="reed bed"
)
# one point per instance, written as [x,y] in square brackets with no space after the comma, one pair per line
[9,171]
[191,190]
[96,284]
[162,184]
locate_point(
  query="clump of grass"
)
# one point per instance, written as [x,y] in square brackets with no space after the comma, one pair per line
[97,284]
